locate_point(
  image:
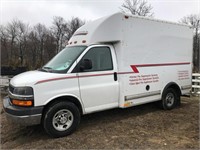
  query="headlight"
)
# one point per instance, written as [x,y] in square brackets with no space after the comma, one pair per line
[23,91]
[21,96]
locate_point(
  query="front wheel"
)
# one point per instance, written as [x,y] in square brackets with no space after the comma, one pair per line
[61,119]
[170,99]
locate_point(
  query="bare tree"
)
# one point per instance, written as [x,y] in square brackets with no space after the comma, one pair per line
[22,37]
[40,33]
[33,48]
[59,29]
[63,30]
[4,45]
[194,21]
[49,46]
[73,25]
[137,7]
[12,33]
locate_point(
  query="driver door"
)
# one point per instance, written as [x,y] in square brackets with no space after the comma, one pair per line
[99,85]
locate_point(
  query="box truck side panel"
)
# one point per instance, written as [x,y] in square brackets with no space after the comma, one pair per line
[152,54]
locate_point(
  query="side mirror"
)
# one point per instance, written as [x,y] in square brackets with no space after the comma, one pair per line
[86,64]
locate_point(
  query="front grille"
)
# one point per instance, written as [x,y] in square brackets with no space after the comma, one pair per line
[11,88]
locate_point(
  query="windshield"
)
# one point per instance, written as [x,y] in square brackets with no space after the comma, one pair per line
[64,59]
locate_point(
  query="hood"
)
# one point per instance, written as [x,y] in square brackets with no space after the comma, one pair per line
[31,77]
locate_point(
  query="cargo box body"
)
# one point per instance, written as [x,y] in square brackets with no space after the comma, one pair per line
[151,54]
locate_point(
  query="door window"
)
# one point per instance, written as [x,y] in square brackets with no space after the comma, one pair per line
[101,59]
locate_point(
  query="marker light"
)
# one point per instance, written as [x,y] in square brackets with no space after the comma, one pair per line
[126,17]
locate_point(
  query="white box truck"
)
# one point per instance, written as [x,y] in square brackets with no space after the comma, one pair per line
[117,61]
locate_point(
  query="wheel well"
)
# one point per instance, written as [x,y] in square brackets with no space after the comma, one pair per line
[64,98]
[173,86]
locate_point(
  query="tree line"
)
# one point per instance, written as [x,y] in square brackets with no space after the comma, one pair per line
[32,46]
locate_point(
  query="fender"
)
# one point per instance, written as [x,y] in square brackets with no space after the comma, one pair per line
[66,95]
[173,85]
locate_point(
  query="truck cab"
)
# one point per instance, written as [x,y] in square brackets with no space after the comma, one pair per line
[79,74]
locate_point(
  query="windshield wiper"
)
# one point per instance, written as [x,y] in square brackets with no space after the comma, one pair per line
[47,69]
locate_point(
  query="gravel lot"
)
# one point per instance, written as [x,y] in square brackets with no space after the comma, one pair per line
[140,127]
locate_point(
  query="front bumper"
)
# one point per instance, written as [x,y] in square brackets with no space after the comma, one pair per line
[22,115]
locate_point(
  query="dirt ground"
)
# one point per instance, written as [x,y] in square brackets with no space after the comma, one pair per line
[140,127]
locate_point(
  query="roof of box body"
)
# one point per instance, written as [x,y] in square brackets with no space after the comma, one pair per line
[106,29]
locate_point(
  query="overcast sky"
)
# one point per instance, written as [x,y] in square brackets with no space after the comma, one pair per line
[42,11]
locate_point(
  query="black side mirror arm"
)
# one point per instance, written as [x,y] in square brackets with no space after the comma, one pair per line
[86,64]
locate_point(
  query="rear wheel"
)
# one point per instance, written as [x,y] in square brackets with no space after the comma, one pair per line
[61,119]
[170,99]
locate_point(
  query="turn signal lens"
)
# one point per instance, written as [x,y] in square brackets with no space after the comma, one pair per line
[22,103]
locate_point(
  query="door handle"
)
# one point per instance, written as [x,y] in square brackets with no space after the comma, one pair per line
[115,76]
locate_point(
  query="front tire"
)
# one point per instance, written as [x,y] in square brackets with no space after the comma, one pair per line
[170,99]
[61,119]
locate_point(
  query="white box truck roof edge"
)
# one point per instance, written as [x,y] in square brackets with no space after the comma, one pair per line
[107,29]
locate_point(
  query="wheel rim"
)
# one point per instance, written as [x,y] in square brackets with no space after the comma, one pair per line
[63,120]
[170,99]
